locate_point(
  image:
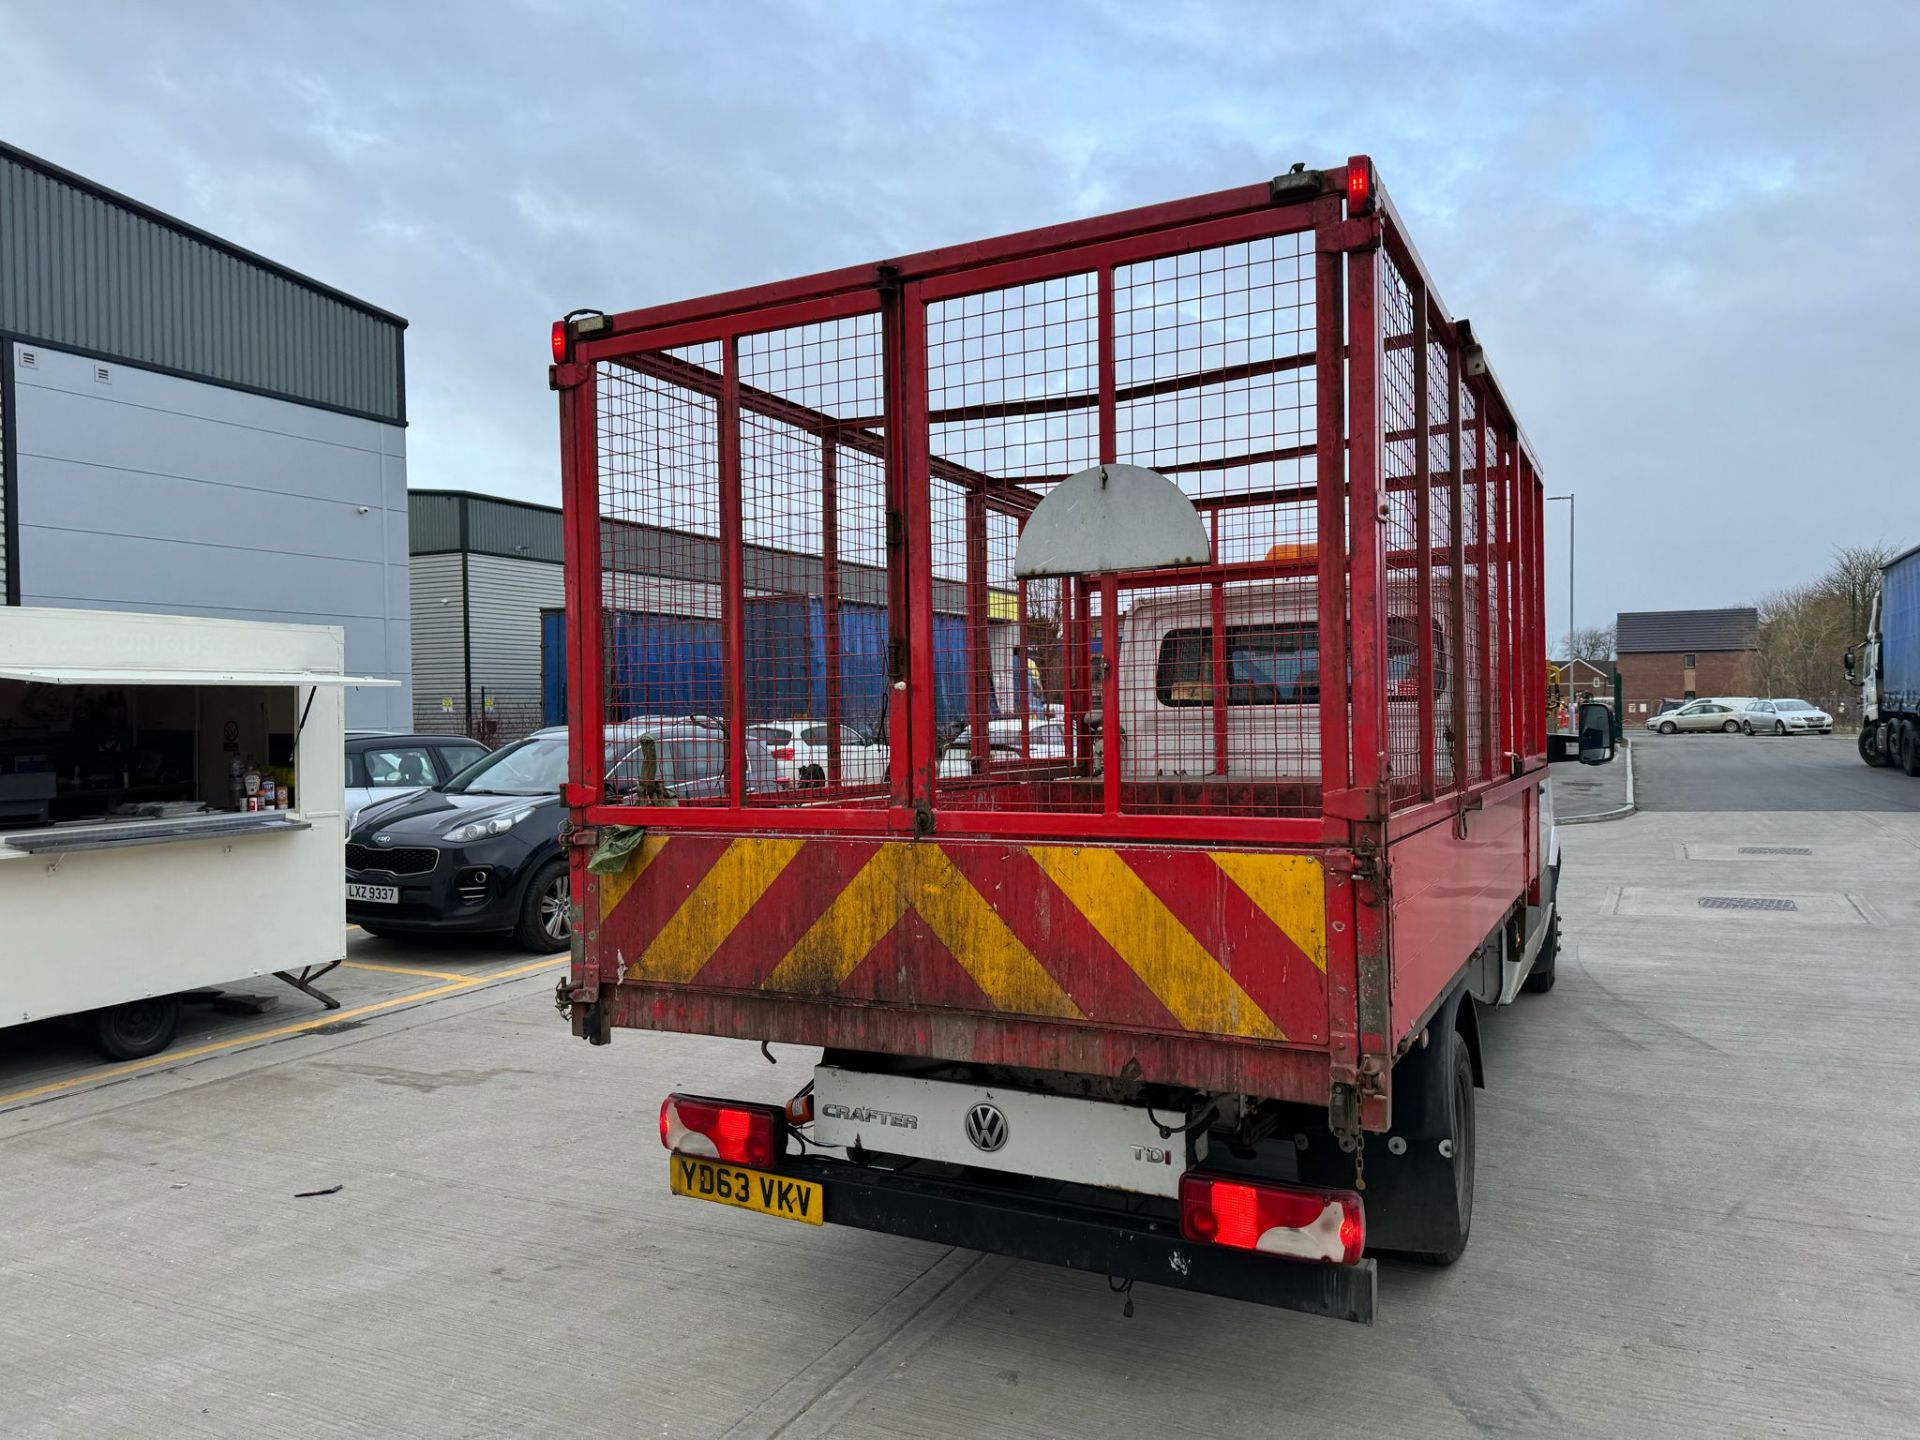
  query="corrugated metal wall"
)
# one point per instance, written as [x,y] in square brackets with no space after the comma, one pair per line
[505,598]
[83,268]
[439,662]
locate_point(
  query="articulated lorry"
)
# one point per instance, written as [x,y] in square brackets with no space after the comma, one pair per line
[1188,993]
[1886,667]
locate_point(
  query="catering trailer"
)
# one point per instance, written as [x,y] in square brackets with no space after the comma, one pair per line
[170,814]
[1189,996]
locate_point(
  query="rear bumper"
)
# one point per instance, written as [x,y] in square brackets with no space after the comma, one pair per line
[1126,1237]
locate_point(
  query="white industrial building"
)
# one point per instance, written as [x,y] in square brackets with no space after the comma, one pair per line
[189,428]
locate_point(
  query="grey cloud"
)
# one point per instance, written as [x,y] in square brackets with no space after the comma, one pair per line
[1684,231]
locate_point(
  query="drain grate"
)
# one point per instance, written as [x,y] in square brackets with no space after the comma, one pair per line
[1775,850]
[1746,902]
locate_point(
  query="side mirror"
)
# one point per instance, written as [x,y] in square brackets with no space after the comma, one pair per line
[1596,733]
[1846,662]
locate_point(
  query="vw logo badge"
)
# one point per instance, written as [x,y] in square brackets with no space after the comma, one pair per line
[383,839]
[986,1127]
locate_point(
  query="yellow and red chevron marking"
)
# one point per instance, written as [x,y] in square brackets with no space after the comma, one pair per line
[1213,942]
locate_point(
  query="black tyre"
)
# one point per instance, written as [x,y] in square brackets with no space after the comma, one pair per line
[1749,727]
[1731,727]
[1540,979]
[1419,1194]
[546,910]
[1458,1146]
[378,932]
[1779,727]
[1872,746]
[137,1029]
[1910,748]
[1669,728]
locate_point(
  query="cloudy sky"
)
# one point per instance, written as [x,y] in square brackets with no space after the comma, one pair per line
[1684,231]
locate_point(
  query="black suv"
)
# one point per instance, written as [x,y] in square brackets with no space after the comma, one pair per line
[481,852]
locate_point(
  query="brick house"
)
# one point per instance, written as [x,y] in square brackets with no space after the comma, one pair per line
[1685,654]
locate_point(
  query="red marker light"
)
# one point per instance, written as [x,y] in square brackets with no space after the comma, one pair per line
[559,342]
[1359,185]
[723,1129]
[1288,1220]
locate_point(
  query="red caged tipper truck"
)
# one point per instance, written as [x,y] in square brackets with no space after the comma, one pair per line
[1088,683]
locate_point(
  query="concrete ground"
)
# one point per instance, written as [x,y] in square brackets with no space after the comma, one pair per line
[1594,792]
[1695,1215]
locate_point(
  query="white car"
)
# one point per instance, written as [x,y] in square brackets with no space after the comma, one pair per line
[799,746]
[1697,715]
[1785,717]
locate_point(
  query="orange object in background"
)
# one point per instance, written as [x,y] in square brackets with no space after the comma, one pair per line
[1295,550]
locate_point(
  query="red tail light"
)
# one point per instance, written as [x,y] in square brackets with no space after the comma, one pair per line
[1359,186]
[1287,1220]
[723,1129]
[559,342]
[785,752]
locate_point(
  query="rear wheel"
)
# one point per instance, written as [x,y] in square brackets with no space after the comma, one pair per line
[1910,748]
[1873,747]
[1540,979]
[1457,1147]
[137,1029]
[546,911]
[1419,1195]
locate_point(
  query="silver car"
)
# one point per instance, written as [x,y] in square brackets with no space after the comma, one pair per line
[1785,717]
[1697,715]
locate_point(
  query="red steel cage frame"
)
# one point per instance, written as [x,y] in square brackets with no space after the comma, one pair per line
[1401,496]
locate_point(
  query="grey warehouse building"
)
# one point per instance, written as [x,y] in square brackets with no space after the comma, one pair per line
[189,428]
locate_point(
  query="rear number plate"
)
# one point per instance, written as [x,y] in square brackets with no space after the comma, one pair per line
[375,894]
[801,1200]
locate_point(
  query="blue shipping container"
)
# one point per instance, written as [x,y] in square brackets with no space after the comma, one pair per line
[670,665]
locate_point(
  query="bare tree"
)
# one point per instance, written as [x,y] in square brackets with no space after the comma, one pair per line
[1592,642]
[1854,579]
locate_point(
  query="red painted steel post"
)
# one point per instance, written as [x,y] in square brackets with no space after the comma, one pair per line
[1330,502]
[922,719]
[580,497]
[1222,696]
[1371,762]
[1503,582]
[830,598]
[979,647]
[899,445]
[1110,737]
[1423,537]
[1457,565]
[733,644]
[1022,654]
[1481,485]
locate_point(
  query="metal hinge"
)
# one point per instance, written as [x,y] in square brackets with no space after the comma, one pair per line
[568,376]
[896,529]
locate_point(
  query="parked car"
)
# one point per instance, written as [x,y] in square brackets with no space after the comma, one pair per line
[481,851]
[798,745]
[384,767]
[1785,717]
[1697,715]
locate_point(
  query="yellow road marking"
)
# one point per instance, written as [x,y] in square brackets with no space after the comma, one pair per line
[403,970]
[255,1037]
[1290,890]
[715,908]
[1193,985]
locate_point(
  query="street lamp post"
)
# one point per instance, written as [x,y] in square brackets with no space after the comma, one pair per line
[1568,497]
